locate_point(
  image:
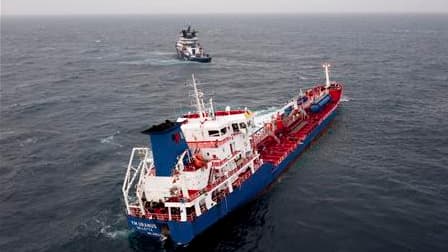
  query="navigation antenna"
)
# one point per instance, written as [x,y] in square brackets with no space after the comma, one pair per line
[327,76]
[198,97]
[212,109]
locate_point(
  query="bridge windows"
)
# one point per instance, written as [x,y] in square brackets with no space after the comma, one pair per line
[217,133]
[235,127]
[223,131]
[213,133]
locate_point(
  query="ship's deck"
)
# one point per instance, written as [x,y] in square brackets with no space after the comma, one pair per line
[274,151]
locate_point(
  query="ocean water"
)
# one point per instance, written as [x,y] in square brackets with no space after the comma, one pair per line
[76,91]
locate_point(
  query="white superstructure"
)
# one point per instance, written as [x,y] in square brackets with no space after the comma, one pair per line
[221,157]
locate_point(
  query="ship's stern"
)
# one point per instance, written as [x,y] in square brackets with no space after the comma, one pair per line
[181,233]
[152,228]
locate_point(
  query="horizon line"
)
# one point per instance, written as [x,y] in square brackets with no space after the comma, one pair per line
[227,13]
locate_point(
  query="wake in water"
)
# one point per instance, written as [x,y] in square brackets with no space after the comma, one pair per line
[112,229]
[155,62]
[264,115]
[105,225]
[109,232]
[157,59]
[345,99]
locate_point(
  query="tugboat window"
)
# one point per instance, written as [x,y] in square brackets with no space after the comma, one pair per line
[242,125]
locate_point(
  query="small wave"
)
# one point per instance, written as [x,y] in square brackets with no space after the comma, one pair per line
[345,99]
[261,116]
[6,133]
[30,140]
[47,48]
[55,132]
[161,53]
[114,234]
[401,30]
[110,140]
[24,62]
[269,110]
[106,226]
[91,51]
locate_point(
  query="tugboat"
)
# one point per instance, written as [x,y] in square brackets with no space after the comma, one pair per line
[207,163]
[188,47]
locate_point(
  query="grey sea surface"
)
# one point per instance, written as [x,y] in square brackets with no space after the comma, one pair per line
[77,90]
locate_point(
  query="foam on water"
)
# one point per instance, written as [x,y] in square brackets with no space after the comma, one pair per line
[110,139]
[109,232]
[156,58]
[155,62]
[264,115]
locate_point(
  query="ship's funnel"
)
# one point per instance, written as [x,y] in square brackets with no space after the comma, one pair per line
[168,143]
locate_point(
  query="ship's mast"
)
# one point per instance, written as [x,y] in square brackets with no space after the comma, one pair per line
[327,76]
[212,109]
[199,104]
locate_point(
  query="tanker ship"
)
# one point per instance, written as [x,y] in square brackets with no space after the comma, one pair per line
[209,162]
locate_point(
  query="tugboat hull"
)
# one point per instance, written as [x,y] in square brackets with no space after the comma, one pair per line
[202,59]
[205,59]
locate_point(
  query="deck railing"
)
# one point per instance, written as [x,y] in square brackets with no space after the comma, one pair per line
[134,176]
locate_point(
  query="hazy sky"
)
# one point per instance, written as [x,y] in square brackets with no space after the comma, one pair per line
[43,7]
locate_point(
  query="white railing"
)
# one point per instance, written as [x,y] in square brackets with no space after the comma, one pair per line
[265,131]
[259,136]
[139,165]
